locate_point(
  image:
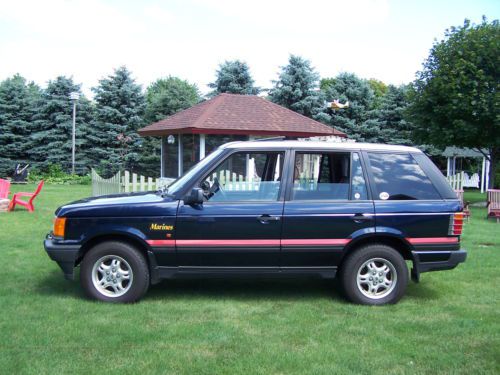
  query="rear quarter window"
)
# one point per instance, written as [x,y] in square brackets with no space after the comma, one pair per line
[398,176]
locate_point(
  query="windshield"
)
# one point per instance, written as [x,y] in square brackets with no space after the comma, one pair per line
[180,183]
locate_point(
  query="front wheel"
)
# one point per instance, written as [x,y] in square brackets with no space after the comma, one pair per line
[374,275]
[114,271]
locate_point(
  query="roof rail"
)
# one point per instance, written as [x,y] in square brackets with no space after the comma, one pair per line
[280,138]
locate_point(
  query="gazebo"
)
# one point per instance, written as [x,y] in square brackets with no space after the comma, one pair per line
[225,118]
[453,153]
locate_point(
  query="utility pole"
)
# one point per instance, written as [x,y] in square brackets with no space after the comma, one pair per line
[74,96]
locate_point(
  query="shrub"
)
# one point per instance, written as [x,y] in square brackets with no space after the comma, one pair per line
[55,175]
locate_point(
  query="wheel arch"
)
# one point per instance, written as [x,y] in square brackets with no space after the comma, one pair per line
[397,243]
[138,243]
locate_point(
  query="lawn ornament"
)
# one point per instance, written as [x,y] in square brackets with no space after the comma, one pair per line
[20,174]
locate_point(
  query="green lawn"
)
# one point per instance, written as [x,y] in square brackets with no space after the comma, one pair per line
[449,323]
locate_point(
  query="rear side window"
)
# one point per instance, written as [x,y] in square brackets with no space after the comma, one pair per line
[399,177]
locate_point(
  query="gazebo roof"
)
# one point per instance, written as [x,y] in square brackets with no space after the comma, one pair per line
[239,114]
[452,151]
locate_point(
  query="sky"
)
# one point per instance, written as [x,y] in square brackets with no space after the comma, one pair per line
[87,39]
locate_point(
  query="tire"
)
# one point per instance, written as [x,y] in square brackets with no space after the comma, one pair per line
[386,286]
[114,271]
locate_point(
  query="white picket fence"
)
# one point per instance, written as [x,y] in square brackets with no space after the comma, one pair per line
[235,182]
[456,181]
[125,182]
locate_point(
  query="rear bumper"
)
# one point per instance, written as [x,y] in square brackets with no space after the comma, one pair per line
[427,261]
[63,254]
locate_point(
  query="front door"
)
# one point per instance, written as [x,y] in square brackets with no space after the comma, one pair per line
[328,205]
[239,224]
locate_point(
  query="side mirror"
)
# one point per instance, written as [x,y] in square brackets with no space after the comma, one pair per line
[195,197]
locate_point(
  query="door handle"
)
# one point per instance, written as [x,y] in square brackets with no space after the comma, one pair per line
[359,218]
[265,219]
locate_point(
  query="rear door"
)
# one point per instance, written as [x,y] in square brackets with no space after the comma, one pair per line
[239,224]
[408,203]
[327,204]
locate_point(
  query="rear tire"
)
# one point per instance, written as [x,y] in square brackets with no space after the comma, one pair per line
[114,271]
[374,275]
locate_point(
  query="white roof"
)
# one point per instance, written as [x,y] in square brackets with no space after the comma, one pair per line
[320,145]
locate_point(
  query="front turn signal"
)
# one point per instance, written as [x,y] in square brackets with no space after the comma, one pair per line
[59,226]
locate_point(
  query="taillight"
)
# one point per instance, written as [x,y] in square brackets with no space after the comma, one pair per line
[456,223]
[59,226]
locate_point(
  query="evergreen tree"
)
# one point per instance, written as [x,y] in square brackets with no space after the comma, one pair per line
[119,114]
[17,107]
[164,97]
[297,88]
[351,120]
[389,118]
[53,125]
[233,77]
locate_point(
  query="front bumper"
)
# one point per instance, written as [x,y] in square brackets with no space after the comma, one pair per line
[427,261]
[63,254]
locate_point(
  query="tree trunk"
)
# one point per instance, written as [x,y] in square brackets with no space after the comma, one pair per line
[493,167]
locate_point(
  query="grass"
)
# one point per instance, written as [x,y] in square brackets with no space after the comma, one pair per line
[449,323]
[474,196]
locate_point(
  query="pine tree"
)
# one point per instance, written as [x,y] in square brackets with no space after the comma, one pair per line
[297,88]
[389,117]
[351,120]
[119,114]
[17,107]
[233,77]
[53,127]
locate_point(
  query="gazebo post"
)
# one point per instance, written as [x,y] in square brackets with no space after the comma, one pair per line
[482,174]
[162,155]
[202,146]
[180,156]
[487,175]
[448,163]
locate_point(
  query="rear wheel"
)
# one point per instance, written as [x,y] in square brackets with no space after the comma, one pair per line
[114,271]
[374,275]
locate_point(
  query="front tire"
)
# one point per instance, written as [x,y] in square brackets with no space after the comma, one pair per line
[114,271]
[374,275]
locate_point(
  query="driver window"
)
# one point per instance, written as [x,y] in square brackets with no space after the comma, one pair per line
[245,177]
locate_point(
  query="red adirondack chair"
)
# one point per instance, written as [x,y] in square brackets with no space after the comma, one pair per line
[494,204]
[4,188]
[16,199]
[466,212]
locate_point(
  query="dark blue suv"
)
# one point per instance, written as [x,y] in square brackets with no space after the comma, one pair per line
[354,211]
